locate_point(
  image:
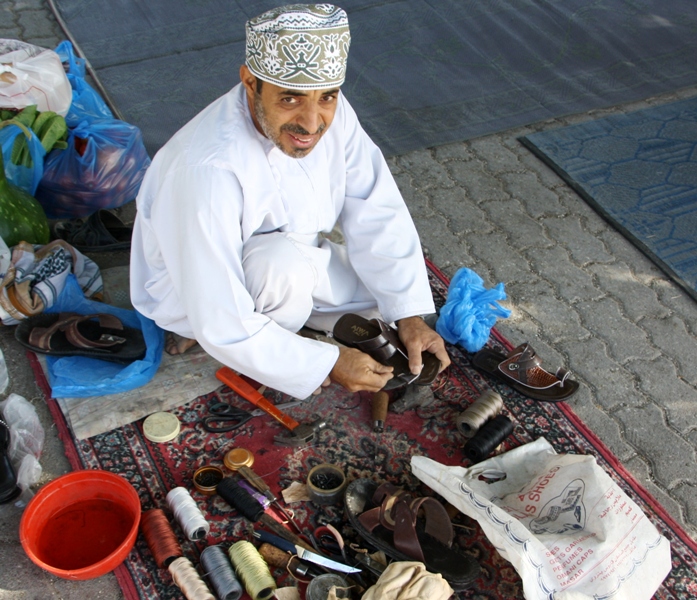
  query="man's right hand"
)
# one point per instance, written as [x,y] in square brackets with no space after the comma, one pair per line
[357,371]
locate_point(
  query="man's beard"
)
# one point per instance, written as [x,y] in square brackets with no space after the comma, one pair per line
[275,137]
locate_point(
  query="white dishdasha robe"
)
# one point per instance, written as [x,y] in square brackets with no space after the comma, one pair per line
[219,183]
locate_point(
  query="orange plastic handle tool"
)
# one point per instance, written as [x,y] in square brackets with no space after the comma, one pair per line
[239,385]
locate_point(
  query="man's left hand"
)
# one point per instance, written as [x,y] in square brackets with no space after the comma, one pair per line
[418,337]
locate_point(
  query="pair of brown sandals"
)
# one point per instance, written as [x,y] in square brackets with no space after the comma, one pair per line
[521,368]
[98,335]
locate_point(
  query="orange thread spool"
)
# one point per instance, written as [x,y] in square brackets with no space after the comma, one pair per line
[160,537]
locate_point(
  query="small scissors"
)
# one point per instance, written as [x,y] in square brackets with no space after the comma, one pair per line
[224,417]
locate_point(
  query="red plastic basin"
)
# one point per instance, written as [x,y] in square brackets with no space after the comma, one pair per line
[81,525]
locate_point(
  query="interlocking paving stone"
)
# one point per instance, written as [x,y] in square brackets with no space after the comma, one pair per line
[571,282]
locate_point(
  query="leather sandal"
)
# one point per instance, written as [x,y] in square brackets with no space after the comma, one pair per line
[522,370]
[98,335]
[102,231]
[381,342]
[408,528]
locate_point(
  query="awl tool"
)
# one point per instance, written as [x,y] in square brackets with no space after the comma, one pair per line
[262,486]
[379,413]
[299,433]
[304,554]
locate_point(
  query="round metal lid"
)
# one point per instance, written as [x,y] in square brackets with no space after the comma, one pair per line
[161,427]
[238,457]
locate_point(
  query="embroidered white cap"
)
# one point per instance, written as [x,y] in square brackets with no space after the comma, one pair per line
[299,46]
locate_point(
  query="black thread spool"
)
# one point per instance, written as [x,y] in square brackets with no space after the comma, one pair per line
[240,499]
[485,441]
[245,504]
[217,567]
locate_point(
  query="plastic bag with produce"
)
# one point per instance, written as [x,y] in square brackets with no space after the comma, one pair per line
[102,167]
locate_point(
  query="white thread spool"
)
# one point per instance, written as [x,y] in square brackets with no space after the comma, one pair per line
[188,514]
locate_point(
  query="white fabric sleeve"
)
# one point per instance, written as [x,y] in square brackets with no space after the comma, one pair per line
[202,252]
[381,237]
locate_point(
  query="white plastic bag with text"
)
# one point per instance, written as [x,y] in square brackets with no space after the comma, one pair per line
[568,529]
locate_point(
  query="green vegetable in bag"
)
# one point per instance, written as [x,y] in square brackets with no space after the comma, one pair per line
[22,218]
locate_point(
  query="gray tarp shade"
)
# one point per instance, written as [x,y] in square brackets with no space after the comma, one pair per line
[421,73]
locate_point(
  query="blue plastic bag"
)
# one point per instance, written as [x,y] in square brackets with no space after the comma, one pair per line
[27,178]
[87,104]
[470,311]
[81,376]
[102,167]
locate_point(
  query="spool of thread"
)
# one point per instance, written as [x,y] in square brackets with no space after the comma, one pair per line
[486,407]
[252,570]
[488,438]
[188,580]
[218,569]
[237,497]
[159,536]
[188,514]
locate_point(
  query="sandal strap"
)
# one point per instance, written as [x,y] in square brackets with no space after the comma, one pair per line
[106,340]
[437,524]
[384,345]
[398,511]
[373,517]
[524,367]
[40,337]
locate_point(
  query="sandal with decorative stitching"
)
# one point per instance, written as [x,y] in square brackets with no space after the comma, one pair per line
[522,370]
[381,342]
[99,335]
[408,528]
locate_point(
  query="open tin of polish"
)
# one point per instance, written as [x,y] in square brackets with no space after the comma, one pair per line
[207,478]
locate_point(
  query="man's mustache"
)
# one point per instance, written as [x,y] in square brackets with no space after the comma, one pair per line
[297,130]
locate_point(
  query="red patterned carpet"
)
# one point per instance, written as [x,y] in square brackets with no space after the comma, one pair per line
[349,441]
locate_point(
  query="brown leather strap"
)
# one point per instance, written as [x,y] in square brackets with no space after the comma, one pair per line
[384,345]
[40,337]
[106,340]
[399,512]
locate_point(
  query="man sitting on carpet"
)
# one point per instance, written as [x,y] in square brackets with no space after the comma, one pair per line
[229,245]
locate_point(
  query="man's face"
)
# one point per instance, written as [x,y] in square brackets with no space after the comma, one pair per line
[294,120]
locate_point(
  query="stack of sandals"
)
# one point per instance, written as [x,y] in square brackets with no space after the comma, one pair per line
[409,528]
